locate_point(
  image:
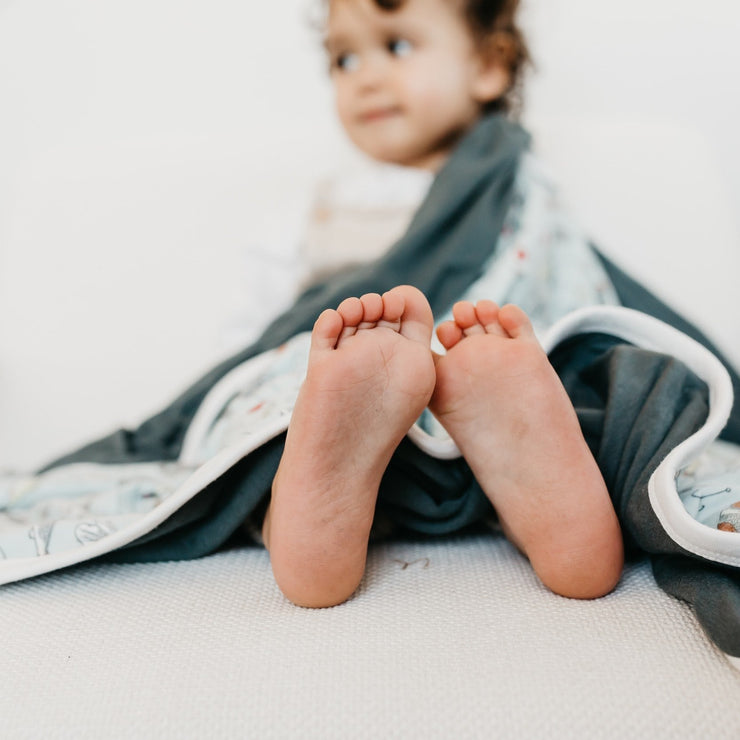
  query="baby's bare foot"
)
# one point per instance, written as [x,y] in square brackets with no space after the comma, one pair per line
[501,401]
[370,375]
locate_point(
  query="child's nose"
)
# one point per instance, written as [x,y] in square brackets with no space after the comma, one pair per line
[372,71]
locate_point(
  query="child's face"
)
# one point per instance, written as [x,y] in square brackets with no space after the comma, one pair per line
[409,82]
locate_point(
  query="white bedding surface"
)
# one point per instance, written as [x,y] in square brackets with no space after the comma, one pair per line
[444,639]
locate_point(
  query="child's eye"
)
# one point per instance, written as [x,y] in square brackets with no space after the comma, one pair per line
[400,47]
[347,62]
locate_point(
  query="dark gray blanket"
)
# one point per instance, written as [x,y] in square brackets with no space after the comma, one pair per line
[634,406]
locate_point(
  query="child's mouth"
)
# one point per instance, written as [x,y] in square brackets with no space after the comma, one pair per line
[379,114]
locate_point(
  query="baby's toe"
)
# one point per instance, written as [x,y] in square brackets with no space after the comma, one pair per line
[351,310]
[466,318]
[487,314]
[409,313]
[449,334]
[326,330]
[372,309]
[515,322]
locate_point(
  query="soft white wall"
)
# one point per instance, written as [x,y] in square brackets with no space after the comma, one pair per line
[144,145]
[669,59]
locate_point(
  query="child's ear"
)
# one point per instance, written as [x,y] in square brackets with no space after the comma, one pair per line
[495,57]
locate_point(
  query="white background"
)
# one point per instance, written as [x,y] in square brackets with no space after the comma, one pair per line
[151,151]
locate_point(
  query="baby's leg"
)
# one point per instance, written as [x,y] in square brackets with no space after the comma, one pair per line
[370,375]
[503,404]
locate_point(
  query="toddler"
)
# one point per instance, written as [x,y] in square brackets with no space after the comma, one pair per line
[411,78]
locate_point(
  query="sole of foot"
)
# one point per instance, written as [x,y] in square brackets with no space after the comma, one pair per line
[370,375]
[504,406]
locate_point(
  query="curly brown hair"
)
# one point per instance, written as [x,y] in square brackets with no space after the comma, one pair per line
[494,26]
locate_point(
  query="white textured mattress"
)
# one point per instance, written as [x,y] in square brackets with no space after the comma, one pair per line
[451,638]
